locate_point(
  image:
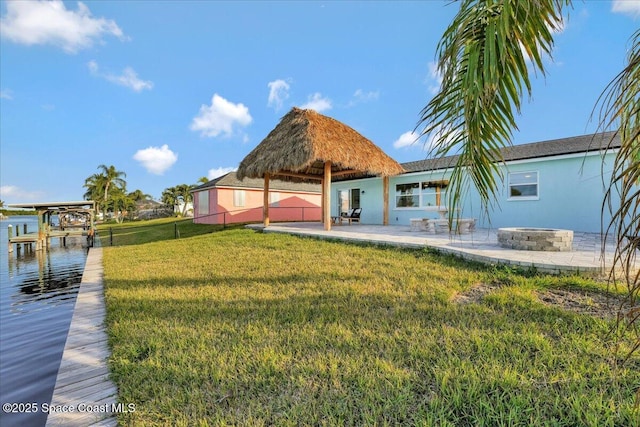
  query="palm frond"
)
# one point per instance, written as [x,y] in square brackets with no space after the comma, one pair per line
[484,58]
[620,109]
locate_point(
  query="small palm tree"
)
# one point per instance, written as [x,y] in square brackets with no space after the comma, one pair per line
[170,197]
[483,57]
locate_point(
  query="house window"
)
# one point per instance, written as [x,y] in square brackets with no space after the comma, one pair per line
[274,199]
[432,194]
[203,203]
[523,185]
[355,198]
[349,199]
[408,195]
[238,198]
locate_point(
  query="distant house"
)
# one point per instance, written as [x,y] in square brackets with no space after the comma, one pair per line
[550,184]
[227,200]
[148,209]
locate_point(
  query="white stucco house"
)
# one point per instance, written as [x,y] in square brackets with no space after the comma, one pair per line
[551,184]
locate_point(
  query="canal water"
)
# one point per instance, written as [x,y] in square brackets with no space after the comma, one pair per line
[38,291]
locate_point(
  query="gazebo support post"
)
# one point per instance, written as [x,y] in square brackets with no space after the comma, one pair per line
[326,196]
[385,200]
[265,201]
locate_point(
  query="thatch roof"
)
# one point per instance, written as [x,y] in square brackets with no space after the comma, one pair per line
[304,140]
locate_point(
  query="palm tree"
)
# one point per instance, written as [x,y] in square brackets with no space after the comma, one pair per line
[139,195]
[112,177]
[95,190]
[483,58]
[170,197]
[99,184]
[185,196]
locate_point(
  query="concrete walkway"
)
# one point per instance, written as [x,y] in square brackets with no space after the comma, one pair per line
[84,395]
[481,245]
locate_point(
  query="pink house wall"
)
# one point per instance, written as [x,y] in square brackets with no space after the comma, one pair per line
[291,207]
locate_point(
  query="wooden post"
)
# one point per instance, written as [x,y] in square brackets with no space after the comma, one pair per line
[385,200]
[265,201]
[326,196]
[41,234]
[9,233]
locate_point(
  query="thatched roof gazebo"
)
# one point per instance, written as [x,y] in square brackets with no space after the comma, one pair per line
[307,146]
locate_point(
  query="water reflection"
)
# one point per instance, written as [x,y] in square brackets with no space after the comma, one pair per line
[37,296]
[52,283]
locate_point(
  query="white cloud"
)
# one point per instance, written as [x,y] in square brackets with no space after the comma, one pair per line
[93,67]
[129,78]
[412,139]
[217,172]
[317,102]
[6,94]
[360,96]
[49,22]
[220,117]
[407,139]
[629,7]
[434,78]
[156,160]
[363,96]
[17,194]
[278,93]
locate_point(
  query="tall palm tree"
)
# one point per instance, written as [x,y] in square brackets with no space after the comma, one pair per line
[112,177]
[98,185]
[95,190]
[483,57]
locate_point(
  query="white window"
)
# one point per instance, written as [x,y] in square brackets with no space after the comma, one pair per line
[408,195]
[349,199]
[238,198]
[420,194]
[523,186]
[203,203]
[274,199]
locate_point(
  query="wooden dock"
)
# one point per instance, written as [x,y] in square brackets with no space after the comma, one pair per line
[81,211]
[83,386]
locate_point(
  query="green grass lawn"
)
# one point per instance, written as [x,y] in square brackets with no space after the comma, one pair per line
[236,327]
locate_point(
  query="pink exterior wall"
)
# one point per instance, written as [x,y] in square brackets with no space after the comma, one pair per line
[290,207]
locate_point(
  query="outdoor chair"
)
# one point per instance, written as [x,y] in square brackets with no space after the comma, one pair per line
[352,216]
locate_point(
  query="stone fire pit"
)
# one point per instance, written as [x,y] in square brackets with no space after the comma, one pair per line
[536,239]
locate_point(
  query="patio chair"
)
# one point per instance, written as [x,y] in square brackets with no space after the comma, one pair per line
[352,216]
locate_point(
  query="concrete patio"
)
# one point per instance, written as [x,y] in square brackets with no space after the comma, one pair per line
[481,245]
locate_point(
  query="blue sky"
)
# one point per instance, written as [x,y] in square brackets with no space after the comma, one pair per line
[170,91]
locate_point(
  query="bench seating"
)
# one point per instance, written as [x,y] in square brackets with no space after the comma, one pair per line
[460,225]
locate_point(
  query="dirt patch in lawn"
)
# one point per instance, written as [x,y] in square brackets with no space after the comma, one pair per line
[578,301]
[475,294]
[593,303]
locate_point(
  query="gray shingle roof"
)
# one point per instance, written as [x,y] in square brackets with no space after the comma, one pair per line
[231,180]
[555,147]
